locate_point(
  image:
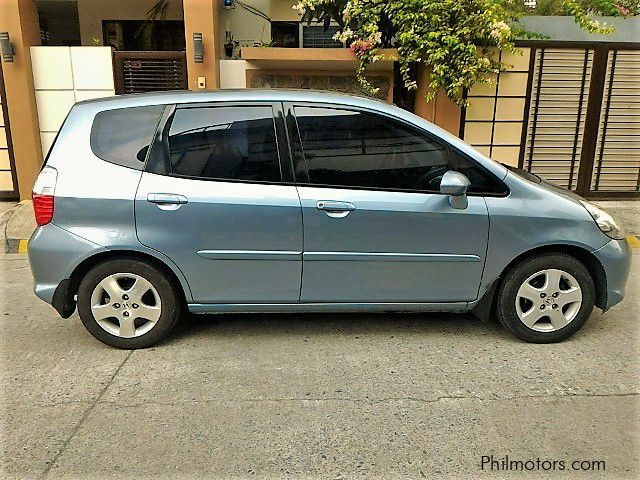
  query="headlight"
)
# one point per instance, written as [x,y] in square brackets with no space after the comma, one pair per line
[605,222]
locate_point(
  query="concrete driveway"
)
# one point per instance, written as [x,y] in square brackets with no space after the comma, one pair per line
[314,396]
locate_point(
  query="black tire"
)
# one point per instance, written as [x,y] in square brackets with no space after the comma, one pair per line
[516,277]
[170,302]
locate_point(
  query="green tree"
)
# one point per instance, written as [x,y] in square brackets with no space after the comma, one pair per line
[449,37]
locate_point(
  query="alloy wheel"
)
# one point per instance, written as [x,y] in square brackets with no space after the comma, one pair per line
[548,300]
[126,305]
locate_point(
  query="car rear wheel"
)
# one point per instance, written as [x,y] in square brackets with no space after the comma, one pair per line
[546,298]
[127,303]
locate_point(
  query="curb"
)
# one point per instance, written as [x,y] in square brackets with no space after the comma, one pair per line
[634,241]
[16,226]
[12,245]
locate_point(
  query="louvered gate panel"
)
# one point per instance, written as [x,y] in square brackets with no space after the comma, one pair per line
[138,72]
[617,159]
[559,96]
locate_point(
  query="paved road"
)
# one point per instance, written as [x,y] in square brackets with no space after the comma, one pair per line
[312,396]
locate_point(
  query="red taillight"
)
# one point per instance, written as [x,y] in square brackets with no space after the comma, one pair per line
[43,208]
[43,195]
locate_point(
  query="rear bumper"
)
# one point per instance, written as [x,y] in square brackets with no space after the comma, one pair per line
[615,258]
[53,255]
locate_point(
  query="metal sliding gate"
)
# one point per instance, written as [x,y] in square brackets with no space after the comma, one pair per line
[137,72]
[582,119]
[617,155]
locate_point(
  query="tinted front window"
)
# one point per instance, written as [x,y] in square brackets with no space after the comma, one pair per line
[123,135]
[226,143]
[359,149]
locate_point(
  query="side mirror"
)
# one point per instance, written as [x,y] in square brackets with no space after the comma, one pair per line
[455,185]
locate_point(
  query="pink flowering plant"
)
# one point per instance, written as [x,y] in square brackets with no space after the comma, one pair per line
[361,47]
[450,37]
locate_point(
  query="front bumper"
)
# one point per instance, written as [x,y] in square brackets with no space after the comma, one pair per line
[615,258]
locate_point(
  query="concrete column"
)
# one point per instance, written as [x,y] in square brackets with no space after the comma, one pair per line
[441,111]
[20,19]
[202,16]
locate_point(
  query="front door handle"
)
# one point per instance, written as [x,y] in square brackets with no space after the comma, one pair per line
[335,209]
[166,198]
[167,201]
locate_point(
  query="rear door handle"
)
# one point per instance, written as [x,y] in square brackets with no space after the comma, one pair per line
[166,199]
[335,209]
[333,206]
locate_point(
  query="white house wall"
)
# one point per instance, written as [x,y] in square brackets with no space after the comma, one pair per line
[233,73]
[282,10]
[246,28]
[63,76]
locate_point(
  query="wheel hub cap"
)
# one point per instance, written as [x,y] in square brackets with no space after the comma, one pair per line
[126,305]
[548,300]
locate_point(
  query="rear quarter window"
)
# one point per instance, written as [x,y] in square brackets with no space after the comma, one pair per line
[123,135]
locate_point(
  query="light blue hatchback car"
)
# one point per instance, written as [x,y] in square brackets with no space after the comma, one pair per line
[280,201]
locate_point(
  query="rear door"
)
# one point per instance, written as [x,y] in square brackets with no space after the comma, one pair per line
[217,198]
[376,228]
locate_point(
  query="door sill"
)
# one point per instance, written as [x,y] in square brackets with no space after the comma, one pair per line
[326,307]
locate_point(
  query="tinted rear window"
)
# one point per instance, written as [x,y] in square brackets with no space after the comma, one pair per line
[122,136]
[225,143]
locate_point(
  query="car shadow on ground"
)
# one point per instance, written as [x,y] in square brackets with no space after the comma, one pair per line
[348,324]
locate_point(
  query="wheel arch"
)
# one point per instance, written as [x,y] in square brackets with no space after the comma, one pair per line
[64,296]
[485,307]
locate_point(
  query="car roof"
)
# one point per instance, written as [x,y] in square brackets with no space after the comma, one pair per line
[232,95]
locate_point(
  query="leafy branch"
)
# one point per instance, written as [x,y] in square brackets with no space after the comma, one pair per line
[450,37]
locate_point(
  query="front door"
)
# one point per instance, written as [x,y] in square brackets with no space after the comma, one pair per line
[218,207]
[376,228]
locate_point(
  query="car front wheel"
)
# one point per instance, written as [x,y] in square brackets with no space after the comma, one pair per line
[546,298]
[127,303]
